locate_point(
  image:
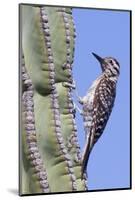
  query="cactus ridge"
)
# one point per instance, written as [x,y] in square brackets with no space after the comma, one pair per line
[55,105]
[68,63]
[71,140]
[33,151]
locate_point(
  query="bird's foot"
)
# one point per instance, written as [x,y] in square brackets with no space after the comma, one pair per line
[69,85]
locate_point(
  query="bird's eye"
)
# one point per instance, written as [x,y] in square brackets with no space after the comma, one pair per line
[111,62]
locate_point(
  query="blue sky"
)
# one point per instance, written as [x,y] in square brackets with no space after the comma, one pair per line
[106,33]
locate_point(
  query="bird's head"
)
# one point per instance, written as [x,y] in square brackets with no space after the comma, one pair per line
[109,65]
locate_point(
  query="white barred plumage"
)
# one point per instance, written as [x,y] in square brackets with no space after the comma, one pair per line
[98,104]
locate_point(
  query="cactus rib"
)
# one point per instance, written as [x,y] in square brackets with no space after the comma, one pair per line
[33,152]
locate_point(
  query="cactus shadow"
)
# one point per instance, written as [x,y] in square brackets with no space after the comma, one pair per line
[13,191]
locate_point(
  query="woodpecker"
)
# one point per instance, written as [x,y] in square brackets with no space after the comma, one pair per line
[98,103]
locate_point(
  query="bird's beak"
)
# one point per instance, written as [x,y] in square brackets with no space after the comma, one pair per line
[101,60]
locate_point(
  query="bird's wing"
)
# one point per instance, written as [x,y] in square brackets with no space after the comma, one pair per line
[102,106]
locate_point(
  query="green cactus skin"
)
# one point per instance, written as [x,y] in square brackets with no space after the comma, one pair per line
[51,158]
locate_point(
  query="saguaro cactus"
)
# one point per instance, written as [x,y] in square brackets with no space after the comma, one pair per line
[51,159]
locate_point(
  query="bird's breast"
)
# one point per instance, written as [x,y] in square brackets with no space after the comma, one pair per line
[89,98]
